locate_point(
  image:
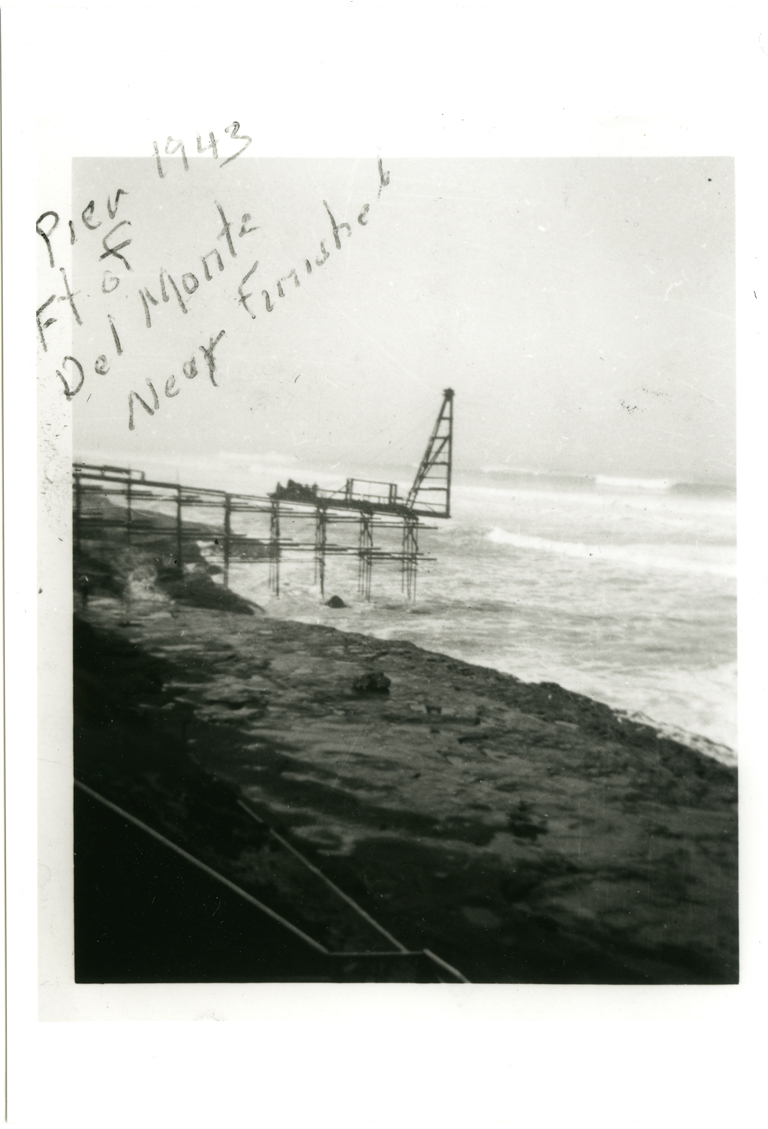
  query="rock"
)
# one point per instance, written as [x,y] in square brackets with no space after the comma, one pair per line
[375,682]
[198,590]
[335,602]
[482,917]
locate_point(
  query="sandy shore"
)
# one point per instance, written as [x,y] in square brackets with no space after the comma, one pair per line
[521,832]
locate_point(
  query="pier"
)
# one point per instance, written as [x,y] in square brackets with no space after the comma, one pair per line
[219,515]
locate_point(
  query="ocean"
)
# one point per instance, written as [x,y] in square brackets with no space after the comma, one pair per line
[622,589]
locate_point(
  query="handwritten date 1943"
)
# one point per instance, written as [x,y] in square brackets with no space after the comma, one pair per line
[176,145]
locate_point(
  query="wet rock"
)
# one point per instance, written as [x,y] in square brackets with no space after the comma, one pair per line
[522,832]
[482,917]
[375,682]
[524,824]
[200,591]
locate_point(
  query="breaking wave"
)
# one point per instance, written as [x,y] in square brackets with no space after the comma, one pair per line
[635,556]
[657,485]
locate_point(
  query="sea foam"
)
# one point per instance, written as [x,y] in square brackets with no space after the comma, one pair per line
[634,556]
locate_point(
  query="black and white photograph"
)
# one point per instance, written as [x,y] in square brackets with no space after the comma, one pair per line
[403,563]
[383,745]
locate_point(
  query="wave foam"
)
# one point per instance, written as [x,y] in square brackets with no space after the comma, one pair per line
[636,556]
[705,745]
[656,485]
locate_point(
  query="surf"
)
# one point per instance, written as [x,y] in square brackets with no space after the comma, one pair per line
[634,556]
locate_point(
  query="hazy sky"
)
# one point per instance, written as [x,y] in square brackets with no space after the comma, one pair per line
[581,309]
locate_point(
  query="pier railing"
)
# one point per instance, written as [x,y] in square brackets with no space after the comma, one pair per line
[137,505]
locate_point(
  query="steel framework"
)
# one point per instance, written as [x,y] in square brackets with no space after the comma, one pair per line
[371,506]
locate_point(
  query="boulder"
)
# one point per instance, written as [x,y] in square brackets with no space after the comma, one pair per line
[374,682]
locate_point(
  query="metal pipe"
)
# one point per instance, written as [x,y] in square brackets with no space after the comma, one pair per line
[202,866]
[332,885]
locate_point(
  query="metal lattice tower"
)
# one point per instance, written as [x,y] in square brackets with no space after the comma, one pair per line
[434,473]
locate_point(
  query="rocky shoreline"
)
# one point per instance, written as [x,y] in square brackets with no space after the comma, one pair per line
[523,833]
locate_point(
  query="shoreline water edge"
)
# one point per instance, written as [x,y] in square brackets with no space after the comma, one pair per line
[622,590]
[521,832]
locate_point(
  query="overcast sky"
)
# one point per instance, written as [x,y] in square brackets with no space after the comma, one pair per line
[581,309]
